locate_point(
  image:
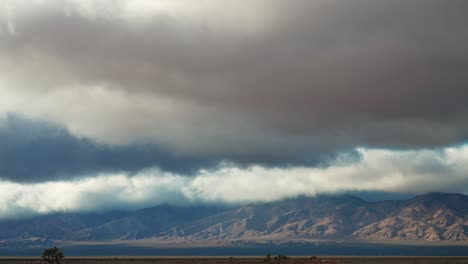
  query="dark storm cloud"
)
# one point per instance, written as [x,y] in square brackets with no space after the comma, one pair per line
[306,78]
[35,151]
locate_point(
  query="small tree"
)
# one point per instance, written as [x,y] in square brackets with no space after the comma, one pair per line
[268,259]
[280,259]
[52,255]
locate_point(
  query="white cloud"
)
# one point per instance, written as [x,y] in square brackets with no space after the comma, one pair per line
[379,170]
[92,193]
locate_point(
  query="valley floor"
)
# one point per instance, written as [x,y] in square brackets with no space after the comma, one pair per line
[144,248]
[246,260]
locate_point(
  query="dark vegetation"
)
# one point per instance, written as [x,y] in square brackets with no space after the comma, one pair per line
[52,255]
[283,259]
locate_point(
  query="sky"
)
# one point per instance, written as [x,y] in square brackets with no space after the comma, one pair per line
[109,105]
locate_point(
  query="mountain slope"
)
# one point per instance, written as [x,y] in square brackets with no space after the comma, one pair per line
[326,217]
[432,217]
[144,223]
[105,226]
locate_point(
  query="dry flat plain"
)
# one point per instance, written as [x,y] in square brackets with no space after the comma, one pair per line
[244,260]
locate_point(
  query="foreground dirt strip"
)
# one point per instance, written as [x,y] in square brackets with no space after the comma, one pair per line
[241,260]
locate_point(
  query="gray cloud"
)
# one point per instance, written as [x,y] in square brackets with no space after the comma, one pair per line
[36,151]
[296,81]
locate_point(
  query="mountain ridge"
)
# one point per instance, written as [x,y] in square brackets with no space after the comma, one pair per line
[429,217]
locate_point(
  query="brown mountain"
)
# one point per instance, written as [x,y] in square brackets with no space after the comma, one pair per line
[430,217]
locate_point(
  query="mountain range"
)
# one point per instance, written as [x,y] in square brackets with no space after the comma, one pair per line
[429,217]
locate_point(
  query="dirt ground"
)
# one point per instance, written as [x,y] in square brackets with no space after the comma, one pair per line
[246,260]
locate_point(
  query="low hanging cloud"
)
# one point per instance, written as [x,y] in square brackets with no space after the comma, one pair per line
[222,78]
[378,170]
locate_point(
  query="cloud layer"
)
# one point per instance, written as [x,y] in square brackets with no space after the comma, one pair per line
[145,102]
[302,78]
[378,170]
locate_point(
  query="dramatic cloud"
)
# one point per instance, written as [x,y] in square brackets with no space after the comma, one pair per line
[36,150]
[144,102]
[296,78]
[378,170]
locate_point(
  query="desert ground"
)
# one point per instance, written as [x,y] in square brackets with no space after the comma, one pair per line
[241,260]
